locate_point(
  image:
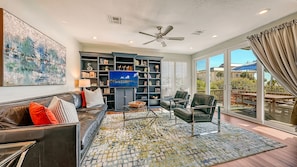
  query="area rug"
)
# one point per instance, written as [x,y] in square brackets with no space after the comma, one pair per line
[161,142]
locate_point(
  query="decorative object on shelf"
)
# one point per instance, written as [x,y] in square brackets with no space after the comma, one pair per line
[144,90]
[145,83]
[158,82]
[145,75]
[106,90]
[157,68]
[157,89]
[150,83]
[29,57]
[92,74]
[101,61]
[101,83]
[144,63]
[106,68]
[85,75]
[89,66]
[124,67]
[145,70]
[158,76]
[107,82]
[154,97]
[127,68]
[136,62]
[105,61]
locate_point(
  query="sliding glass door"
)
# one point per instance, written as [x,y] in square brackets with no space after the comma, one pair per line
[216,69]
[243,80]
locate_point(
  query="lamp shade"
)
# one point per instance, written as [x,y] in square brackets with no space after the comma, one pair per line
[83,83]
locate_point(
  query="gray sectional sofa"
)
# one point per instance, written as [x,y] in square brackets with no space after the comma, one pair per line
[56,145]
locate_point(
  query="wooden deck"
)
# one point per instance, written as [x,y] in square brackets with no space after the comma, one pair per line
[283,157]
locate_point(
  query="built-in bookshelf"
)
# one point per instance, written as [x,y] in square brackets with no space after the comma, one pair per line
[96,67]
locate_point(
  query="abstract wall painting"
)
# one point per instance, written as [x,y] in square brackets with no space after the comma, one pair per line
[28,56]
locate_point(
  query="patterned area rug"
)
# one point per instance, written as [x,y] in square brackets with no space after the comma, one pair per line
[161,142]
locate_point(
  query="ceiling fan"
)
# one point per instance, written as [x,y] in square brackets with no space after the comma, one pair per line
[161,36]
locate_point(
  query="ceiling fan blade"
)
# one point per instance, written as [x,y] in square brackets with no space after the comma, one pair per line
[175,38]
[163,43]
[149,41]
[168,29]
[147,34]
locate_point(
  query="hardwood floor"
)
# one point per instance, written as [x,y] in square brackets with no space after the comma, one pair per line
[283,157]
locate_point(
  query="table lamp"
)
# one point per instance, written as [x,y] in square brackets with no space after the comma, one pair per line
[84,83]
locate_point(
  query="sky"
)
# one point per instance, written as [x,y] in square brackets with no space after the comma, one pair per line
[239,56]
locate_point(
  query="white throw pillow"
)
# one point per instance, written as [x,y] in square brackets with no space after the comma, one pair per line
[64,111]
[93,98]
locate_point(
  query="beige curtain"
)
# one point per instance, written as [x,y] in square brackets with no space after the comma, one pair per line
[276,49]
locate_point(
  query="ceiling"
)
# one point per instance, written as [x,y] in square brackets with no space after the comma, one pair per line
[84,19]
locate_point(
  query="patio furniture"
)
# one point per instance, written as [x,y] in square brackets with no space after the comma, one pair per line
[202,110]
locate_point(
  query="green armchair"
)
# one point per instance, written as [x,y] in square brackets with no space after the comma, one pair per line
[202,110]
[180,100]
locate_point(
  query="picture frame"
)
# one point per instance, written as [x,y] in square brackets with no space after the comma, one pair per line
[29,57]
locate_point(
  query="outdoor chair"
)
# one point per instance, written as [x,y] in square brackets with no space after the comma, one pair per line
[179,100]
[202,110]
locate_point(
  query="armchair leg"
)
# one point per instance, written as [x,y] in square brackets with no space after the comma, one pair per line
[219,118]
[175,120]
[193,129]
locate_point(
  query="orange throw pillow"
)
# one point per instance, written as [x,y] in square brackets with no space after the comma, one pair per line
[83,99]
[41,115]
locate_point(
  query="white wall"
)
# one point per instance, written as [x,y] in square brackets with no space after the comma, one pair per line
[145,52]
[23,10]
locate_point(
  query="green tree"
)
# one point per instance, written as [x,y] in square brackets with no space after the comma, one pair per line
[201,85]
[220,74]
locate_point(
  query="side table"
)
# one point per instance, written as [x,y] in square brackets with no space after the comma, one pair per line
[13,154]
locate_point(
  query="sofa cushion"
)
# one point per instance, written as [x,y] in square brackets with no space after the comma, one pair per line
[15,116]
[64,111]
[202,99]
[41,115]
[93,98]
[83,99]
[77,99]
[186,115]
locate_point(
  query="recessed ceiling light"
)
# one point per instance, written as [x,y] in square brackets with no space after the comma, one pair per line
[130,41]
[214,36]
[264,11]
[190,48]
[64,21]
[94,37]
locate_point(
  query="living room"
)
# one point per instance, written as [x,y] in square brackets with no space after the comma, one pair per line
[36,15]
